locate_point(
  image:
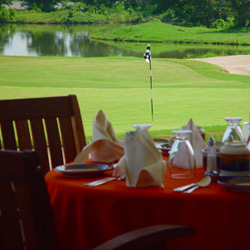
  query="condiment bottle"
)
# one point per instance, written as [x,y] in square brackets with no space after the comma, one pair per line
[211,155]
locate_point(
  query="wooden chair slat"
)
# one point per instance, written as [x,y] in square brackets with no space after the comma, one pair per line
[9,216]
[40,144]
[67,138]
[55,145]
[25,206]
[77,124]
[8,135]
[48,109]
[23,134]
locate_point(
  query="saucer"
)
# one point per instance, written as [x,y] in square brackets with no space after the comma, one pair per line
[223,175]
[236,184]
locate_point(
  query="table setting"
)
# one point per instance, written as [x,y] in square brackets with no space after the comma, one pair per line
[139,187]
[142,163]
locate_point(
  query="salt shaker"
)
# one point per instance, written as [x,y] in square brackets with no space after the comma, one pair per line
[211,155]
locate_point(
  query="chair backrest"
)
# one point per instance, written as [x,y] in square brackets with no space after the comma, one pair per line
[52,126]
[26,218]
[150,238]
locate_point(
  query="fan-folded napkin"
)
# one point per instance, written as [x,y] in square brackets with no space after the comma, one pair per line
[105,146]
[142,163]
[196,141]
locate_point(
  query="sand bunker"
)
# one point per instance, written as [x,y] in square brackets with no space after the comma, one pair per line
[239,65]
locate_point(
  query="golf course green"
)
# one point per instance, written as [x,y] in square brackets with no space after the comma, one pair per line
[120,86]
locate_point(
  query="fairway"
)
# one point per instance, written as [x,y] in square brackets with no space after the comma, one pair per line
[182,89]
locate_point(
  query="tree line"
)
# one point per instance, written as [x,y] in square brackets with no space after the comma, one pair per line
[210,13]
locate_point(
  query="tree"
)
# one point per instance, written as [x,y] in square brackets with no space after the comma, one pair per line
[44,5]
[241,9]
[203,12]
[6,2]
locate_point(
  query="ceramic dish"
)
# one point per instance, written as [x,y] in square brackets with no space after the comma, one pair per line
[219,175]
[164,147]
[237,184]
[142,126]
[82,170]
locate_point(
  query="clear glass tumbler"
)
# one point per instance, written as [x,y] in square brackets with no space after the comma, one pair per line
[233,130]
[181,161]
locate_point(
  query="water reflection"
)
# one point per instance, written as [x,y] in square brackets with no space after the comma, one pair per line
[73,40]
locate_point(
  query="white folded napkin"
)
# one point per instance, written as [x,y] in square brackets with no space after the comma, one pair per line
[196,141]
[142,163]
[105,146]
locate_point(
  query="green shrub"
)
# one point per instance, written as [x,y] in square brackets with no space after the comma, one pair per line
[36,8]
[222,24]
[71,13]
[6,15]
[12,13]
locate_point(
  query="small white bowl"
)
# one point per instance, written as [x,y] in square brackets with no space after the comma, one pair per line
[142,126]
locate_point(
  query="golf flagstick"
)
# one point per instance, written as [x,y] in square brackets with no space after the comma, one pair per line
[147,56]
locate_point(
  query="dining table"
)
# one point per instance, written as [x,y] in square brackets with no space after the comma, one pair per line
[87,216]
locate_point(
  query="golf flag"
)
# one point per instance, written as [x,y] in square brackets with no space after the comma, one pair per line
[147,56]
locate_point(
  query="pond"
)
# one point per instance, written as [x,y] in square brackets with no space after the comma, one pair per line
[73,40]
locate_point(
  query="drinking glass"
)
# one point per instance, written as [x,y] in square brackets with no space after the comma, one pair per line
[181,161]
[233,130]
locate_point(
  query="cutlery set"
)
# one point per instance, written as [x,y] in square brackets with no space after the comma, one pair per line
[101,181]
[204,182]
[185,189]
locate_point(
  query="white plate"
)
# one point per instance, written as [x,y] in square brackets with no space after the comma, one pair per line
[237,184]
[82,170]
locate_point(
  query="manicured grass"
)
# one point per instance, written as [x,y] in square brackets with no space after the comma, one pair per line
[181,50]
[182,89]
[157,31]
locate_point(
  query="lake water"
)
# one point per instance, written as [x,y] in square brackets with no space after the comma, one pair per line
[73,40]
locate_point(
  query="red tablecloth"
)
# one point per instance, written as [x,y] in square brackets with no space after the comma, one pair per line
[87,216]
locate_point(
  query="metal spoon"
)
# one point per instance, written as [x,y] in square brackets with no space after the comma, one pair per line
[204,182]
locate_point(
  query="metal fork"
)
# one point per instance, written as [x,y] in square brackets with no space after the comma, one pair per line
[102,181]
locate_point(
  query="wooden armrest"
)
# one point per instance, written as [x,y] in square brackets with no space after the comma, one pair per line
[147,236]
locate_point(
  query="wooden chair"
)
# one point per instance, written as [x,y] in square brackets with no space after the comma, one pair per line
[26,218]
[52,126]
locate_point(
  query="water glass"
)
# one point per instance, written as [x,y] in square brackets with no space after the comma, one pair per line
[233,130]
[181,161]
